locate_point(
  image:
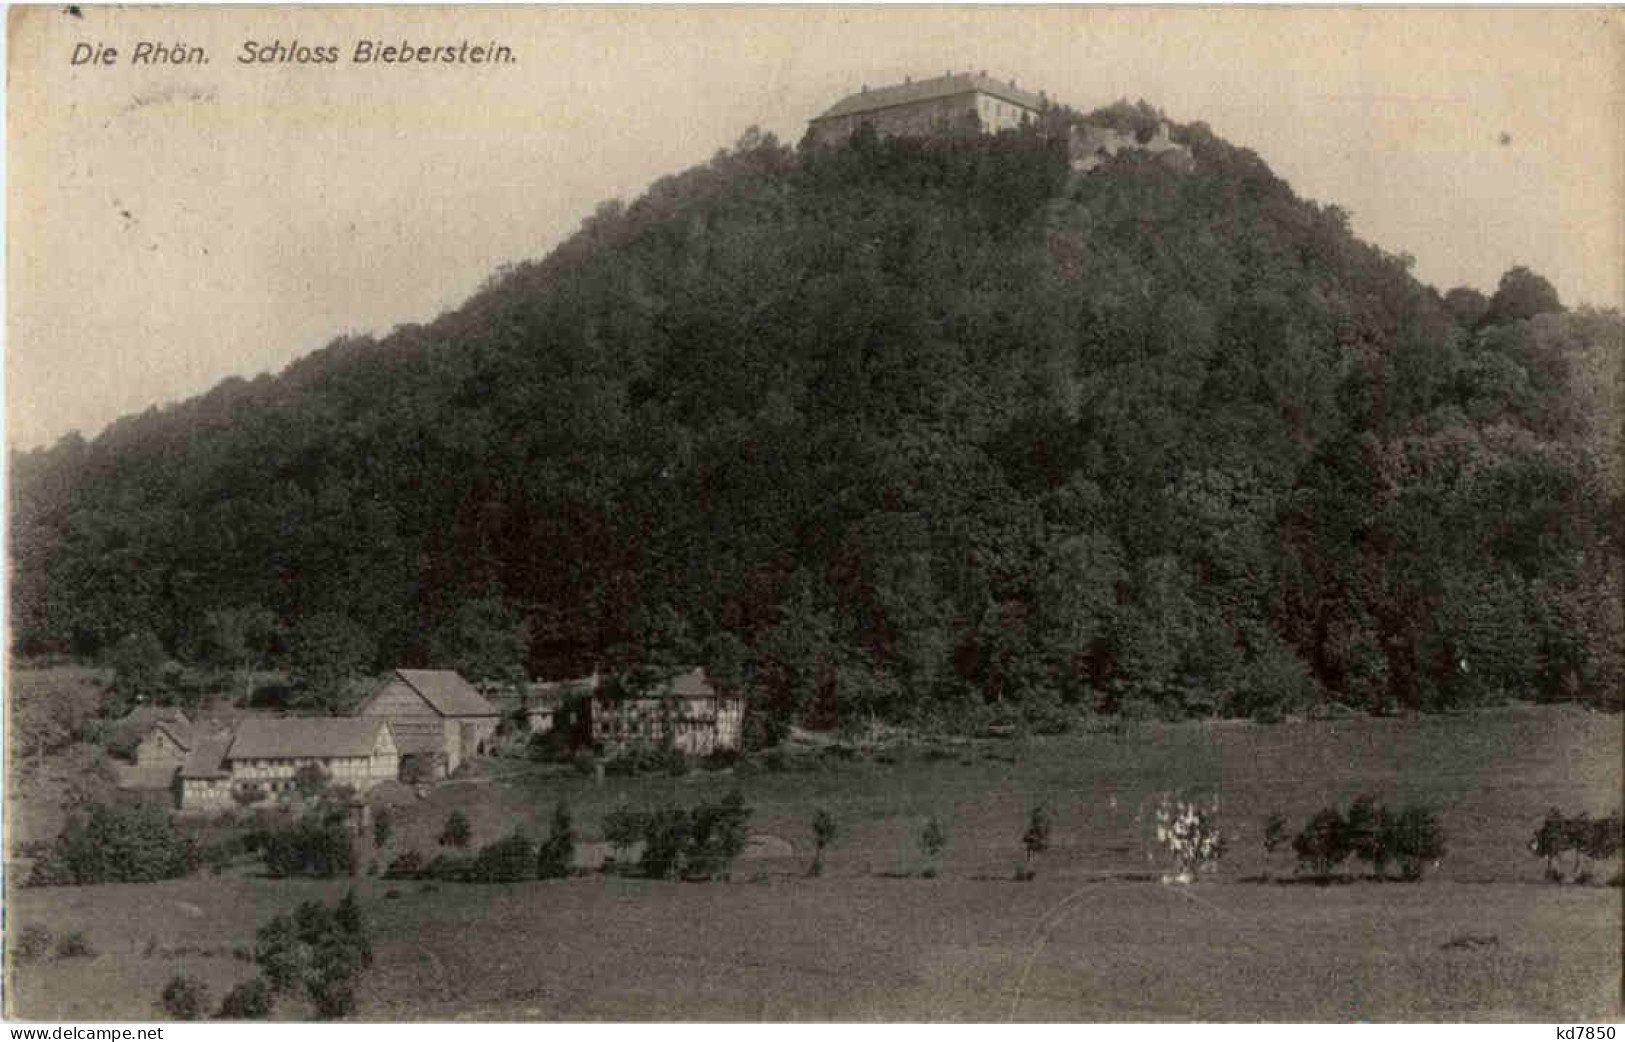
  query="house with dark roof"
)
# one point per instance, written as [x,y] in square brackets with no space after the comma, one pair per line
[434,713]
[266,754]
[162,735]
[951,102]
[684,708]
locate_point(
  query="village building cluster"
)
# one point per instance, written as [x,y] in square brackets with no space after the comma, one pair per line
[435,717]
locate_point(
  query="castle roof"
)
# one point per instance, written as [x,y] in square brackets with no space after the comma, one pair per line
[948,86]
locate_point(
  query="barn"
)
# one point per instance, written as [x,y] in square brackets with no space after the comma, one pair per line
[434,713]
[267,754]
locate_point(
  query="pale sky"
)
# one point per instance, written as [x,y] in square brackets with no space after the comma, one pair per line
[170,226]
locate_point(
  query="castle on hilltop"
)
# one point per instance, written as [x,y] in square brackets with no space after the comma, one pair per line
[976,102]
[915,108]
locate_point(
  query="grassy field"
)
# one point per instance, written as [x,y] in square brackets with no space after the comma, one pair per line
[1095,937]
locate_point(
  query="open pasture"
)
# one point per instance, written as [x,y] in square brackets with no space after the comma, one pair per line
[1095,937]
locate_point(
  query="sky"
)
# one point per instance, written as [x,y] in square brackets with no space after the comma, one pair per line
[169,226]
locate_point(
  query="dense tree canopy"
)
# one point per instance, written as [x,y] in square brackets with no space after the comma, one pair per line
[896,429]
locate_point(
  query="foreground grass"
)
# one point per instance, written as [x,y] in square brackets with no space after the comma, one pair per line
[1093,938]
[883,949]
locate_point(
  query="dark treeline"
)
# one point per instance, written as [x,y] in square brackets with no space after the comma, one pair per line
[899,429]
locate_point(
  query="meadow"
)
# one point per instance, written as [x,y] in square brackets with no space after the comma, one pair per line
[1095,936]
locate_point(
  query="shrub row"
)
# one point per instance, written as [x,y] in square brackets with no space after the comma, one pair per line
[1370,832]
[682,843]
[1581,835]
[509,860]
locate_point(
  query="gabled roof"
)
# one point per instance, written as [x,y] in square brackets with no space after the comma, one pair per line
[926,90]
[261,738]
[178,730]
[208,759]
[447,692]
[553,693]
[418,734]
[689,683]
[151,716]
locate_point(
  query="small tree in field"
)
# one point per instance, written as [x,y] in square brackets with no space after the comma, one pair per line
[933,841]
[1371,833]
[1274,837]
[1189,833]
[623,827]
[717,835]
[508,860]
[823,834]
[1551,839]
[1035,840]
[1603,839]
[457,832]
[1323,844]
[1418,841]
[555,859]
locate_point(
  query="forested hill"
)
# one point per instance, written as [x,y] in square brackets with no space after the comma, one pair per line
[900,428]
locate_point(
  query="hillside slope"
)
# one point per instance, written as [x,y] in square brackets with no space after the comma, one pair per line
[904,428]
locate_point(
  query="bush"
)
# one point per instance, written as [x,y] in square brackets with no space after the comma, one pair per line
[348,921]
[420,768]
[456,832]
[933,841]
[1550,841]
[1417,841]
[1371,834]
[184,997]
[1604,838]
[408,865]
[623,827]
[310,781]
[1274,832]
[32,943]
[717,835]
[74,946]
[1035,840]
[324,950]
[823,834]
[317,846]
[281,955]
[1598,840]
[333,997]
[1323,844]
[383,824]
[117,843]
[665,836]
[250,1000]
[555,858]
[508,860]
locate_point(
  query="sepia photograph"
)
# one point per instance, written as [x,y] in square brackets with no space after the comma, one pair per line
[784,514]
